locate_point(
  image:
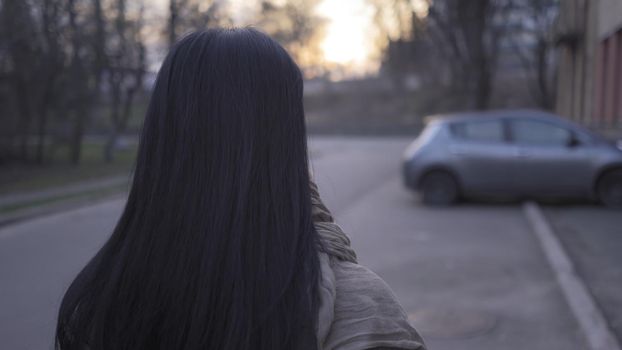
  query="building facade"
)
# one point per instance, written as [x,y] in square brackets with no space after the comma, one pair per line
[588,35]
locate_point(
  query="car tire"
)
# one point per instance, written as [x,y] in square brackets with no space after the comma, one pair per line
[439,188]
[609,189]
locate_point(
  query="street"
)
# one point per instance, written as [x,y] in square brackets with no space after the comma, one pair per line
[472,276]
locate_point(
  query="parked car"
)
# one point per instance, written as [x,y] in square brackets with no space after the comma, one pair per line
[518,153]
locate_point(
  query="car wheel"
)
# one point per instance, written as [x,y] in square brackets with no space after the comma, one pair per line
[439,188]
[609,189]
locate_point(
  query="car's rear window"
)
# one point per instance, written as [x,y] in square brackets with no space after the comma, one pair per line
[481,130]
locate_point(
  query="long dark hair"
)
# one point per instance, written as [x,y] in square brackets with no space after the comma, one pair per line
[216,247]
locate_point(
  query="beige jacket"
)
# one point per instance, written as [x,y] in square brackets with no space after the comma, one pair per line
[357,310]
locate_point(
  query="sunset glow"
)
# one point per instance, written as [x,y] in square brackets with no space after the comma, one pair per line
[348,39]
[349,43]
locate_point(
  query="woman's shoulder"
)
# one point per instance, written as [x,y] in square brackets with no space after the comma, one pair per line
[362,310]
[354,281]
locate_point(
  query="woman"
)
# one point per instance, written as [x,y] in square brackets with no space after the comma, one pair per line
[219,245]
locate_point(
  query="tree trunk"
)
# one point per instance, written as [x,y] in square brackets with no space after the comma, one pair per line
[24,120]
[172,23]
[79,84]
[542,72]
[41,133]
[483,90]
[77,135]
[111,142]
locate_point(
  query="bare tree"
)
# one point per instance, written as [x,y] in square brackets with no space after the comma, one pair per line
[48,69]
[51,68]
[410,53]
[189,15]
[22,48]
[393,20]
[468,35]
[78,80]
[125,71]
[295,25]
[85,67]
[56,56]
[173,19]
[533,45]
[458,40]
[99,45]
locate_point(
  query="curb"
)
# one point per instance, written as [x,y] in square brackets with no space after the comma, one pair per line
[53,208]
[73,189]
[581,302]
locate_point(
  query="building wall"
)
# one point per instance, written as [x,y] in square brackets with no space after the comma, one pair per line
[574,73]
[589,38]
[610,18]
[607,65]
[607,106]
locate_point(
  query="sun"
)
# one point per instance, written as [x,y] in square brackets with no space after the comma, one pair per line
[347,40]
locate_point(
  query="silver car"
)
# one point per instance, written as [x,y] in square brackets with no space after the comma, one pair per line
[518,153]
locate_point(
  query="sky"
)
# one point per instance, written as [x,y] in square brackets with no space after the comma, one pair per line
[348,30]
[347,41]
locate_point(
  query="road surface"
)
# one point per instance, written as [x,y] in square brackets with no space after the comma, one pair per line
[471,277]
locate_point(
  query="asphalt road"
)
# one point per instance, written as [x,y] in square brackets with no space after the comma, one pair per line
[471,277]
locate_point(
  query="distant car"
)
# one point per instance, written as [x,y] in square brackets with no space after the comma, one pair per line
[518,153]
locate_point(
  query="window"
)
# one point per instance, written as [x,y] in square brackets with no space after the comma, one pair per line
[529,132]
[483,131]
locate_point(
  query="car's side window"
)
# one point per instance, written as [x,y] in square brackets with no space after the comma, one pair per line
[536,133]
[481,131]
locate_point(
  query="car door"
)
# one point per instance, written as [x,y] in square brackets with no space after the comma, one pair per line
[549,158]
[481,155]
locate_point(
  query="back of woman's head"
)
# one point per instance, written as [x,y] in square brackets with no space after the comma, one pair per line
[215,248]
